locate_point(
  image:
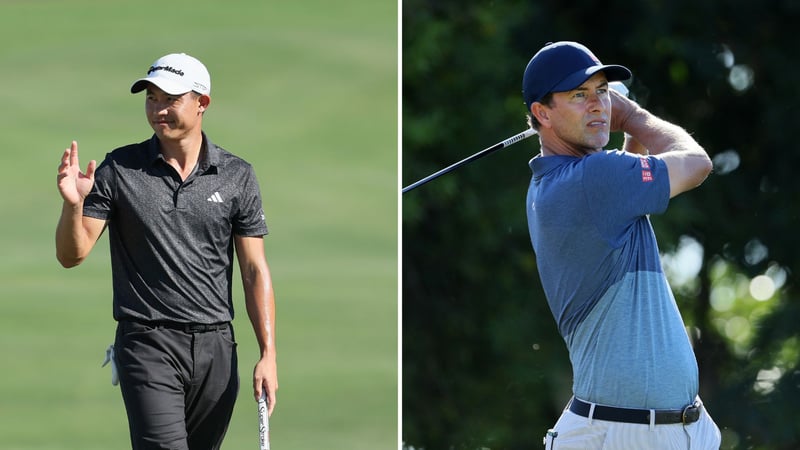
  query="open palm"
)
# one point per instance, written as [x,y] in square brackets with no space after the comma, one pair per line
[74,185]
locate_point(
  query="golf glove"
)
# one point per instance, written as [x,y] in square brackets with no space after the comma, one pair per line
[110,359]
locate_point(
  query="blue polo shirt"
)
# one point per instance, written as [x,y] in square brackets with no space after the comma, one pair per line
[171,240]
[600,268]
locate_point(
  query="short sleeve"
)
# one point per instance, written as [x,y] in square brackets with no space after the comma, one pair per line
[99,202]
[249,219]
[622,187]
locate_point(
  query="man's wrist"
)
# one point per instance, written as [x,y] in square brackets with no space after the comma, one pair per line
[633,117]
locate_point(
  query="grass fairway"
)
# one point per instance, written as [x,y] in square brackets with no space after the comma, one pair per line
[306,92]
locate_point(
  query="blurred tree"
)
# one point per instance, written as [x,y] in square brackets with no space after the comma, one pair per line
[483,364]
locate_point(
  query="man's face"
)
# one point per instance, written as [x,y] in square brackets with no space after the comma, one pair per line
[581,118]
[174,116]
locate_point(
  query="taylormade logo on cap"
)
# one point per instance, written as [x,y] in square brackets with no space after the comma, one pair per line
[167,68]
[176,74]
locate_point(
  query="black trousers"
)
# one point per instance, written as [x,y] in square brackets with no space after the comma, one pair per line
[179,386]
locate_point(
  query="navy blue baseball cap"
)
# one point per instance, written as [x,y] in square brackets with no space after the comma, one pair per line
[563,66]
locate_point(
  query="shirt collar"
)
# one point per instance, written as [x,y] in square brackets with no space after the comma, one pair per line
[209,154]
[541,165]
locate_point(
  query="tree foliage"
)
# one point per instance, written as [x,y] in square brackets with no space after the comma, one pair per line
[483,364]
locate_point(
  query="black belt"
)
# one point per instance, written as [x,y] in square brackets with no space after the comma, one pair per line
[187,327]
[687,415]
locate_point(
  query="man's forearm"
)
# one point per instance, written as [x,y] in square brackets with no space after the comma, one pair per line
[260,303]
[687,162]
[631,145]
[657,135]
[71,237]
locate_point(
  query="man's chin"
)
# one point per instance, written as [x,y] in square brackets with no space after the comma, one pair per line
[162,133]
[599,141]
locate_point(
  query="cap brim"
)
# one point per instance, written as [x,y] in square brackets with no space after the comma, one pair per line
[613,73]
[166,85]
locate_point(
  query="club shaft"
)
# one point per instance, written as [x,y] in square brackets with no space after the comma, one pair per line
[487,151]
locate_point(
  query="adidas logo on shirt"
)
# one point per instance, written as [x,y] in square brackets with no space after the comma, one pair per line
[215,197]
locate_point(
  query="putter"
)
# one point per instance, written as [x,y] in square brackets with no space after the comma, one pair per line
[263,422]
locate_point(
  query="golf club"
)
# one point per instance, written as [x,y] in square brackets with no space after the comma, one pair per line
[500,145]
[616,85]
[263,422]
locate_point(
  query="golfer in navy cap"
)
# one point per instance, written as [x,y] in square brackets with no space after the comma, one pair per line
[635,376]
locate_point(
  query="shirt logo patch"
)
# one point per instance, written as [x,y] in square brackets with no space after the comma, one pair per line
[215,197]
[647,175]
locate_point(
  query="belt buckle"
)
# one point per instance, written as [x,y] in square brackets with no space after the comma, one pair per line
[195,328]
[690,414]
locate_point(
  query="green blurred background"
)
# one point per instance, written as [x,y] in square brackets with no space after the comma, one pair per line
[483,365]
[306,92]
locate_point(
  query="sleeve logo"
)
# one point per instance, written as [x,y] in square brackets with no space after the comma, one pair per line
[647,175]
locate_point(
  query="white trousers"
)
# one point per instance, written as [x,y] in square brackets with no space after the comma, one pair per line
[574,432]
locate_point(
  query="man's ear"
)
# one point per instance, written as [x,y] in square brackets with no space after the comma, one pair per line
[204,100]
[541,113]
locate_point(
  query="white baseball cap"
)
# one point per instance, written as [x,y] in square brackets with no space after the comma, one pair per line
[176,74]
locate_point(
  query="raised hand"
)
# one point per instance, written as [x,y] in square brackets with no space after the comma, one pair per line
[74,185]
[621,109]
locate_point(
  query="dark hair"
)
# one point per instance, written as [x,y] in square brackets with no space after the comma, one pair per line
[547,100]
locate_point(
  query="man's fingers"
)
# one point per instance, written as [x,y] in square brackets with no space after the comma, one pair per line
[90,169]
[70,160]
[260,388]
[271,400]
[64,161]
[257,387]
[73,154]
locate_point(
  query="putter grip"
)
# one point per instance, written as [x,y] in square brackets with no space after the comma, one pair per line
[263,422]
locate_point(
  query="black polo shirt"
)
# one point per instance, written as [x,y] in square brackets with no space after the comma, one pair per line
[172,241]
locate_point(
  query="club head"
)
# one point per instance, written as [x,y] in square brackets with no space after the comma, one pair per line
[619,87]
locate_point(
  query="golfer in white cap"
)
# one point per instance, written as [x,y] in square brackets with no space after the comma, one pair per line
[176,207]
